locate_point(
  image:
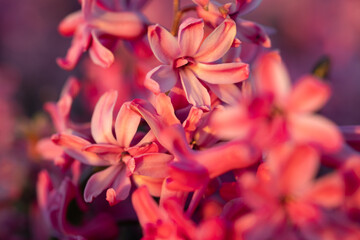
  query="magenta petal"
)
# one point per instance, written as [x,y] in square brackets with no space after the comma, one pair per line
[224,73]
[100,181]
[99,54]
[163,44]
[308,95]
[191,33]
[251,32]
[317,130]
[196,93]
[160,79]
[217,43]
[153,164]
[244,7]
[102,119]
[126,124]
[119,189]
[228,93]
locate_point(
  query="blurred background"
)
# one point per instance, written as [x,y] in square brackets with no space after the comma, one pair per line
[307,31]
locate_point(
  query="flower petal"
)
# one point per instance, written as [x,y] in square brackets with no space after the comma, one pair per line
[99,54]
[126,124]
[317,130]
[271,77]
[154,185]
[228,93]
[153,164]
[120,188]
[196,93]
[244,7]
[160,79]
[251,32]
[224,73]
[308,95]
[70,23]
[99,181]
[217,43]
[102,119]
[163,44]
[191,33]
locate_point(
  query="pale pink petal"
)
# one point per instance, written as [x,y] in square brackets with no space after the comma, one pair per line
[165,109]
[308,95]
[217,43]
[163,44]
[191,33]
[99,54]
[59,112]
[228,93]
[120,188]
[68,25]
[48,149]
[100,181]
[192,122]
[145,207]
[125,25]
[251,32]
[43,187]
[317,130]
[153,164]
[102,148]
[223,158]
[327,191]
[102,118]
[211,15]
[196,93]
[224,73]
[126,124]
[160,79]
[79,44]
[271,77]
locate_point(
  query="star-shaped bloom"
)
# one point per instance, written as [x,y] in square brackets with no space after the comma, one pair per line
[188,59]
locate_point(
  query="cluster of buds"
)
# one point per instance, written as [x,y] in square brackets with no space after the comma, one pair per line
[221,144]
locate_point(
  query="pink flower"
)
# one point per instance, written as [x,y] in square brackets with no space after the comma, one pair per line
[122,159]
[285,198]
[97,29]
[247,31]
[188,59]
[276,112]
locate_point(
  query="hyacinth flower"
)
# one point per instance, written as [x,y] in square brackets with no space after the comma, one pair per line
[122,159]
[285,199]
[189,60]
[98,29]
[169,221]
[276,112]
[247,31]
[59,113]
[192,169]
[54,204]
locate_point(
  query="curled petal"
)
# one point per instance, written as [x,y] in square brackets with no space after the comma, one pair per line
[163,44]
[71,88]
[251,32]
[79,44]
[191,33]
[217,43]
[99,54]
[224,73]
[308,95]
[196,93]
[315,130]
[68,25]
[125,25]
[160,79]
[99,181]
[272,77]
[119,189]
[126,124]
[73,146]
[102,119]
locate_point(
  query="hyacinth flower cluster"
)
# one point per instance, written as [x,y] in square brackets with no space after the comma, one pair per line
[221,146]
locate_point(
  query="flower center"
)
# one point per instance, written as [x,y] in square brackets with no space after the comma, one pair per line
[182,62]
